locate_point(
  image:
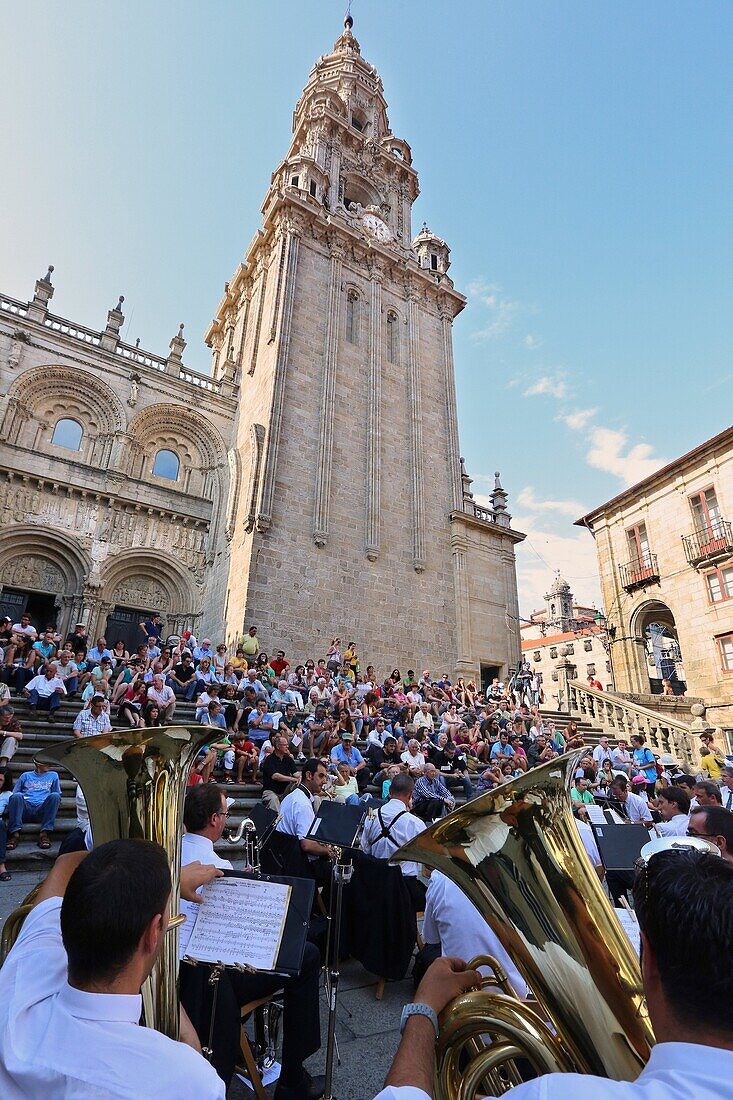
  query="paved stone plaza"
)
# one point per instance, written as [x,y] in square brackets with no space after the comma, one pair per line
[367,1031]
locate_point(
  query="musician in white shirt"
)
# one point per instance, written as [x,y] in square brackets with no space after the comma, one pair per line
[674,807]
[391,827]
[633,806]
[205,814]
[726,788]
[687,985]
[70,1008]
[454,922]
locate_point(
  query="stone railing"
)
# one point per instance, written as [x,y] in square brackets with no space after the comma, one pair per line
[621,718]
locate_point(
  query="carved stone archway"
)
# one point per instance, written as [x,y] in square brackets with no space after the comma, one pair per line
[38,559]
[143,580]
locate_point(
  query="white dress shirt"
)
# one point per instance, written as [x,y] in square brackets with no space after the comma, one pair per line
[453,921]
[195,847]
[637,809]
[676,826]
[296,813]
[61,1042]
[726,794]
[403,830]
[675,1071]
[589,842]
[46,687]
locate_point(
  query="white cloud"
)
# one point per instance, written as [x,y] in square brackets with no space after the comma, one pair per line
[553,385]
[532,342]
[501,310]
[571,551]
[578,419]
[611,452]
[526,499]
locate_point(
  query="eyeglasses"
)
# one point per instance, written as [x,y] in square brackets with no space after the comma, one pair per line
[222,813]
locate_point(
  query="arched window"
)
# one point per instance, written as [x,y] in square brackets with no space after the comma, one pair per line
[67,433]
[352,317]
[393,344]
[166,465]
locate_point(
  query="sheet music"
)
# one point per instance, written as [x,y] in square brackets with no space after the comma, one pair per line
[240,921]
[630,926]
[595,813]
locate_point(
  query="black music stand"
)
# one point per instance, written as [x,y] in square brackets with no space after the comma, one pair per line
[620,845]
[337,823]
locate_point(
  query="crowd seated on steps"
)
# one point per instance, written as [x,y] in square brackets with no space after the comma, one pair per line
[453,738]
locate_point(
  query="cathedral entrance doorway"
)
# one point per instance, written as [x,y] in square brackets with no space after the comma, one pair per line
[41,606]
[124,623]
[488,674]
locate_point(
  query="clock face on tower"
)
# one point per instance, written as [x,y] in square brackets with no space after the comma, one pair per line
[376,228]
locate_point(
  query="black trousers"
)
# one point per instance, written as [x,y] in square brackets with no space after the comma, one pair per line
[618,883]
[427,809]
[301,1021]
[417,891]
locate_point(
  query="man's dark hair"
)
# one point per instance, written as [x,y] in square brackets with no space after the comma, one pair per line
[718,822]
[712,790]
[402,784]
[621,782]
[311,766]
[684,904]
[678,797]
[686,778]
[202,801]
[110,900]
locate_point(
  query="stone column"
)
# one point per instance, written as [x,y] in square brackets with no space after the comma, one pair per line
[322,496]
[264,517]
[416,458]
[464,663]
[374,410]
[451,414]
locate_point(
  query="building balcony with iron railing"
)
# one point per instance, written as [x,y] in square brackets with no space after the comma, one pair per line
[639,572]
[709,543]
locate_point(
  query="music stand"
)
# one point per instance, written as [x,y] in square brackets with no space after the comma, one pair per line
[620,845]
[337,823]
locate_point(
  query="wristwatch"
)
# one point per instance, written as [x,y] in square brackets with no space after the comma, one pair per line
[419,1010]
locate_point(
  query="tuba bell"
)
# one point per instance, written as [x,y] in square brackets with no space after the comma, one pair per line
[517,854]
[134,784]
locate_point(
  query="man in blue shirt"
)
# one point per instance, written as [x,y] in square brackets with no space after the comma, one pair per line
[430,796]
[35,798]
[501,750]
[203,650]
[98,651]
[346,753]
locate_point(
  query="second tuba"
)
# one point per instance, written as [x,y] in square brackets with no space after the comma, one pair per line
[517,854]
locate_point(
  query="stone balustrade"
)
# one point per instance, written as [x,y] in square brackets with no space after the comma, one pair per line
[620,718]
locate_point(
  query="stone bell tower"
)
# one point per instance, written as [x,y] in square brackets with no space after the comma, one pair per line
[337,327]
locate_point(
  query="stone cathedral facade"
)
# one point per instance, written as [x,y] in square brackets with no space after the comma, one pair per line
[313,485]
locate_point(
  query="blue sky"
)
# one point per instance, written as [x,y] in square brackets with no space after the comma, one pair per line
[577,158]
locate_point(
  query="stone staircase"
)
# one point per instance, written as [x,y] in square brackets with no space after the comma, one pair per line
[590,733]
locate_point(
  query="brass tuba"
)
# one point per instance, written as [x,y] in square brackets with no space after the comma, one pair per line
[134,784]
[517,854]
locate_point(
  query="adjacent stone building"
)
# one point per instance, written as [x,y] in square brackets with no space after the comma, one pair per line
[665,557]
[564,628]
[313,485]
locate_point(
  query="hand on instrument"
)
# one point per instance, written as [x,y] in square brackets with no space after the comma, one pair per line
[445,979]
[194,875]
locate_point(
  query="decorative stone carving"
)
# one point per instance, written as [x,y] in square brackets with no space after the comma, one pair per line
[32,571]
[139,591]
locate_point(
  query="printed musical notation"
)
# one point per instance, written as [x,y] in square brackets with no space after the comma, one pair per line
[240,922]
